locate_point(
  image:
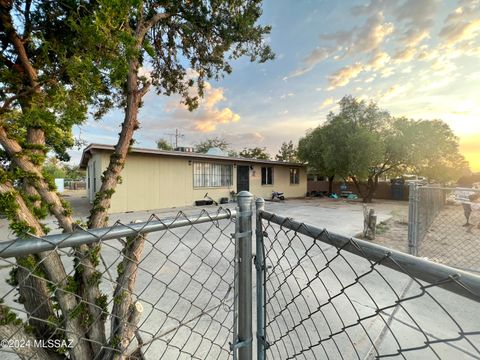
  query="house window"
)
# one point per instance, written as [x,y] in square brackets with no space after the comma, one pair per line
[294,176]
[267,175]
[212,175]
[311,177]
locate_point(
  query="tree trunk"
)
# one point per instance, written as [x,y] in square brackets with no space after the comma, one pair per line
[126,312]
[36,137]
[91,293]
[99,213]
[371,188]
[56,274]
[51,260]
[330,184]
[17,333]
[358,187]
[35,297]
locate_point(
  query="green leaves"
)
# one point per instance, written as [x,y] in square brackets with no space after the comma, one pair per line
[255,153]
[364,141]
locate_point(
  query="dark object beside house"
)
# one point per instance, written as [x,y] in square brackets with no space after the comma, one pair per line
[397,189]
[203,202]
[224,200]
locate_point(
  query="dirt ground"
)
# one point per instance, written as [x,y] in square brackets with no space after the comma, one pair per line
[393,233]
[450,242]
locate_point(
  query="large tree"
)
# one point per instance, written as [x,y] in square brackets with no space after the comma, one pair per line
[255,153]
[215,142]
[287,152]
[60,59]
[311,151]
[363,142]
[163,144]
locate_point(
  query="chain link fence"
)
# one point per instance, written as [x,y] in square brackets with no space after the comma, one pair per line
[167,290]
[325,296]
[445,225]
[181,288]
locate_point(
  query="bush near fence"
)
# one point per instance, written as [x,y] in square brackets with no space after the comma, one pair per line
[383,191]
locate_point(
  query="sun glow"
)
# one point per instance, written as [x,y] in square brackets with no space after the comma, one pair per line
[470,148]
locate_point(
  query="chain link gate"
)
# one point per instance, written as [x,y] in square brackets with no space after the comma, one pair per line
[444,225]
[321,295]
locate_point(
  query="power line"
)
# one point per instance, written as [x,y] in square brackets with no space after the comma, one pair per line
[177,135]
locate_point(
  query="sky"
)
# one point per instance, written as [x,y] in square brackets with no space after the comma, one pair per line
[415,58]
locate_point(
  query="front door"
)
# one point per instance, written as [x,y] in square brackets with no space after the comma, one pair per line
[243,175]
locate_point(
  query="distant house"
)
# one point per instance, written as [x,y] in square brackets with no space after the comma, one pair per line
[155,179]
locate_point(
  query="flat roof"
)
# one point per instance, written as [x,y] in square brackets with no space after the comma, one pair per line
[88,151]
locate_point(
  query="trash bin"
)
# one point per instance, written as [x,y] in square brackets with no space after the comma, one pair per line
[397,189]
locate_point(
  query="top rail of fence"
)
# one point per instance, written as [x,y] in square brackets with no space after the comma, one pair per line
[34,245]
[447,188]
[454,280]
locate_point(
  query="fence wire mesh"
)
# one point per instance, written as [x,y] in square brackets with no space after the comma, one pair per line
[449,226]
[332,297]
[165,294]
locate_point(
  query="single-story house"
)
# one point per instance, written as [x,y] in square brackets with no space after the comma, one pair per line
[155,179]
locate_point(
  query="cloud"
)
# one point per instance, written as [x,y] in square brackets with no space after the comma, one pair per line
[394,91]
[365,38]
[443,66]
[378,61]
[372,34]
[360,39]
[387,72]
[473,76]
[419,17]
[327,102]
[206,118]
[284,96]
[373,6]
[405,55]
[460,27]
[240,140]
[343,76]
[315,57]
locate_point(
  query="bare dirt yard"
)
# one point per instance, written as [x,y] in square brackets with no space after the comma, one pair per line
[449,241]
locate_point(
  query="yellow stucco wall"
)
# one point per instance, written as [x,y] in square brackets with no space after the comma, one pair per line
[281,182]
[155,182]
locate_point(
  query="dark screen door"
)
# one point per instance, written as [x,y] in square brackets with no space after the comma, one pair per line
[243,173]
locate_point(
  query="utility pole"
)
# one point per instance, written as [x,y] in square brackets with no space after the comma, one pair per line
[177,135]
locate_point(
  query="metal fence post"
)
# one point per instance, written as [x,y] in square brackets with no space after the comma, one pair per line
[244,238]
[260,268]
[413,219]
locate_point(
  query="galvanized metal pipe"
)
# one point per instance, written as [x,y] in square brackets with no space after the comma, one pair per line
[260,269]
[412,218]
[19,247]
[244,237]
[462,283]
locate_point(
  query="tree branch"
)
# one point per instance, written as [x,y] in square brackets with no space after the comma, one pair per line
[7,24]
[146,26]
